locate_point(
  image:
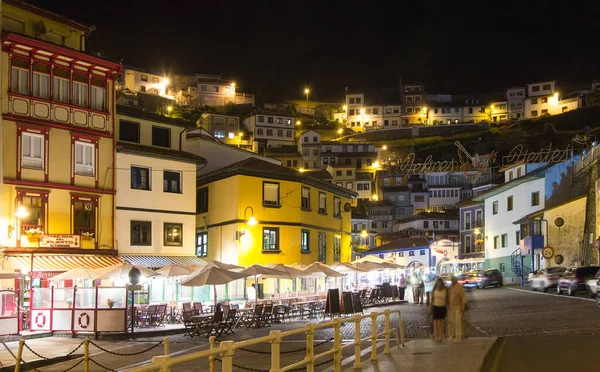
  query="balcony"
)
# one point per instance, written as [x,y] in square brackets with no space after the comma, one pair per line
[62,113]
[530,243]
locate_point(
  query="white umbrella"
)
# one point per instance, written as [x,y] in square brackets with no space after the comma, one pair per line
[256,270]
[320,270]
[77,273]
[285,272]
[174,270]
[122,271]
[370,258]
[211,275]
[345,267]
[11,275]
[221,265]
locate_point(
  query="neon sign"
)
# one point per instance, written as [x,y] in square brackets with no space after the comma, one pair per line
[546,155]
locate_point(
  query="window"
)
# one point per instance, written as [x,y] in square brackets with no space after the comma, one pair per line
[419,198]
[535,198]
[495,207]
[322,248]
[84,158]
[80,90]
[417,98]
[202,244]
[496,242]
[270,120]
[468,247]
[400,254]
[425,224]
[141,233]
[202,200]
[288,133]
[270,239]
[203,88]
[411,253]
[305,198]
[509,203]
[84,219]
[129,131]
[546,87]
[322,203]
[468,221]
[140,178]
[216,89]
[33,151]
[544,100]
[155,80]
[337,248]
[19,78]
[535,88]
[337,207]
[60,86]
[534,113]
[40,81]
[544,111]
[349,185]
[409,98]
[422,252]
[534,101]
[305,241]
[504,240]
[261,119]
[409,110]
[270,194]
[35,205]
[259,131]
[172,182]
[161,136]
[173,234]
[436,224]
[478,218]
[518,237]
[98,95]
[349,173]
[144,78]
[269,132]
[219,134]
[446,223]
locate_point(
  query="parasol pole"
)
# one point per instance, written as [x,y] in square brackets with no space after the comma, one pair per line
[215,293]
[256,287]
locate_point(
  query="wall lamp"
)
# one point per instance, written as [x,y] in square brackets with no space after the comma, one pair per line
[20,212]
[248,221]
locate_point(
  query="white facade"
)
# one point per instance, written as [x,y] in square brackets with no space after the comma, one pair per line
[543,99]
[309,146]
[441,198]
[274,130]
[501,235]
[428,224]
[516,102]
[499,111]
[419,201]
[145,82]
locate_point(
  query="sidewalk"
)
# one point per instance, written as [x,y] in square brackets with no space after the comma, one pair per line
[426,356]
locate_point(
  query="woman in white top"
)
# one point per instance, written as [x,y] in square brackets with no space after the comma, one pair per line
[438,309]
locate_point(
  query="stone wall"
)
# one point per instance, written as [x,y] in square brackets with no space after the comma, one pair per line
[584,181]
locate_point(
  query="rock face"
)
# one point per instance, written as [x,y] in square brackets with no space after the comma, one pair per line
[586,181]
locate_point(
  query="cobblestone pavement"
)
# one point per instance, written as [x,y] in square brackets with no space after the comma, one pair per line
[492,312]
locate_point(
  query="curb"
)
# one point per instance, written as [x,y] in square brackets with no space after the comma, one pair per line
[41,363]
[482,358]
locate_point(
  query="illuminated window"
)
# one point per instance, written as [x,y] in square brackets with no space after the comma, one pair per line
[322,203]
[202,244]
[84,158]
[84,218]
[60,86]
[173,234]
[80,90]
[19,78]
[305,241]
[270,239]
[33,151]
[98,99]
[40,81]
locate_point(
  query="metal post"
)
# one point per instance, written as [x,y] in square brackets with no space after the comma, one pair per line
[401,326]
[373,336]
[357,341]
[227,357]
[166,342]
[275,351]
[211,359]
[386,349]
[19,355]
[86,355]
[132,309]
[310,351]
[337,345]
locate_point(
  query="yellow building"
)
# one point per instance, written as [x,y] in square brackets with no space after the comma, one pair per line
[255,212]
[57,163]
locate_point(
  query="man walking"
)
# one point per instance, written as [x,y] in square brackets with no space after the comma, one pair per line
[456,309]
[402,287]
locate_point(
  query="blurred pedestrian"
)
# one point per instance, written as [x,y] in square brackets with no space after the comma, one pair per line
[402,287]
[438,309]
[420,290]
[456,309]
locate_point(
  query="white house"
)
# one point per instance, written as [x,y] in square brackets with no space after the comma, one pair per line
[156,188]
[142,81]
[543,99]
[309,146]
[515,98]
[432,224]
[270,129]
[409,252]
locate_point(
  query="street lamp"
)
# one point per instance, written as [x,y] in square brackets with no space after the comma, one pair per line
[306,91]
[340,131]
[248,221]
[425,112]
[298,122]
[384,147]
[169,109]
[240,135]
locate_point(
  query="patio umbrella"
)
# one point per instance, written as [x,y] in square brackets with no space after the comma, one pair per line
[369,258]
[211,275]
[77,273]
[256,270]
[346,268]
[285,272]
[174,270]
[122,271]
[222,265]
[320,270]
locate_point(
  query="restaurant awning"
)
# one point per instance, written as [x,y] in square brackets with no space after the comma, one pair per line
[65,262]
[157,262]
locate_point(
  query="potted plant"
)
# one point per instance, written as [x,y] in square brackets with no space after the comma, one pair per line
[87,235]
[110,302]
[70,303]
[34,233]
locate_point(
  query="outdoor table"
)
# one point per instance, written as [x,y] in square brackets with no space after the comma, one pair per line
[241,313]
[199,320]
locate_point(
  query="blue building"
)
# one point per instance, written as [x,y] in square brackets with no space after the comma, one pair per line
[472,229]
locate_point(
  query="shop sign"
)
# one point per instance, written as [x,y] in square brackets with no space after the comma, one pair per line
[46,274]
[60,241]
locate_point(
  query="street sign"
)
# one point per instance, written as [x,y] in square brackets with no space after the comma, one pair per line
[137,287]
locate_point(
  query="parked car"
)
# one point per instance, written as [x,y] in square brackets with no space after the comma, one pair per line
[471,280]
[592,285]
[546,278]
[489,277]
[575,278]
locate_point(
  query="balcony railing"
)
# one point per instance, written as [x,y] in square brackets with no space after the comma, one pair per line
[58,112]
[85,232]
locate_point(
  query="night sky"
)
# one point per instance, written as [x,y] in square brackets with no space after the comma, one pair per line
[275,48]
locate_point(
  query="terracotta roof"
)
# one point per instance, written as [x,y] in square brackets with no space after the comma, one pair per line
[401,244]
[319,174]
[134,148]
[394,188]
[363,176]
[259,168]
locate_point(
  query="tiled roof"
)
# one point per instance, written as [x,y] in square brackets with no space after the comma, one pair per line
[402,244]
[363,176]
[158,152]
[319,174]
[394,189]
[259,168]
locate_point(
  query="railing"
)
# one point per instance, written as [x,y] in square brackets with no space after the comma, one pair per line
[226,349]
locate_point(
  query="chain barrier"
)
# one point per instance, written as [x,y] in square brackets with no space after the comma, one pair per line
[267,370]
[102,366]
[73,366]
[46,358]
[284,352]
[125,354]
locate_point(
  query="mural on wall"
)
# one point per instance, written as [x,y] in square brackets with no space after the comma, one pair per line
[559,182]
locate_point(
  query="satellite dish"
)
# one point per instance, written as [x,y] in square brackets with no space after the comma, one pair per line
[41,28]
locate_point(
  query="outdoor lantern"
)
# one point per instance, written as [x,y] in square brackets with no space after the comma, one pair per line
[134,275]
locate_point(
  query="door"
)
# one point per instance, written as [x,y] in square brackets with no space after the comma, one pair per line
[358,163]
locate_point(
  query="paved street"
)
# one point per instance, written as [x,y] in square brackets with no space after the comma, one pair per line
[492,312]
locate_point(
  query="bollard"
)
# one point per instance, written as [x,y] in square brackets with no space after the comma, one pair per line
[357,341]
[19,356]
[386,348]
[337,345]
[227,357]
[310,350]
[401,326]
[275,351]
[166,342]
[373,336]
[86,355]
[211,359]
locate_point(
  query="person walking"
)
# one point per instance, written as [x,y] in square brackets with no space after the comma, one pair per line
[421,290]
[456,308]
[438,309]
[402,287]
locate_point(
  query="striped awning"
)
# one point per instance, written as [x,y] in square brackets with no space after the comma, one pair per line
[66,262]
[157,262]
